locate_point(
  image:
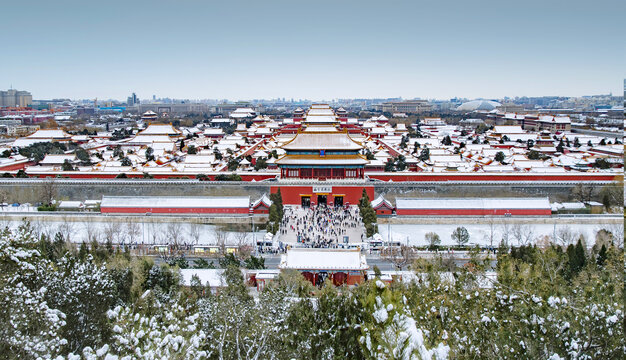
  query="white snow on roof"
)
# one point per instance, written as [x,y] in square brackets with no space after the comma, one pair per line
[319,141]
[473,203]
[263,199]
[508,129]
[199,159]
[213,131]
[176,202]
[49,134]
[70,205]
[57,159]
[160,130]
[323,259]
[211,277]
[381,200]
[322,161]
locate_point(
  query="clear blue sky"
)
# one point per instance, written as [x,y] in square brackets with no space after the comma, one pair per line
[312,49]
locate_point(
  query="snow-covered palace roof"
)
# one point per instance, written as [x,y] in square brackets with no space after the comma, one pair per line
[176,202]
[473,203]
[323,259]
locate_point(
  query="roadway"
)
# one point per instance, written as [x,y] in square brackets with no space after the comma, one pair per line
[608,134]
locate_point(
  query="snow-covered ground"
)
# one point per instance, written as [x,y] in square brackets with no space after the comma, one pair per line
[156,232]
[142,232]
[481,233]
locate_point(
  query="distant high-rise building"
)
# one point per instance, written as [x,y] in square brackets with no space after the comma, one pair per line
[132,100]
[15,98]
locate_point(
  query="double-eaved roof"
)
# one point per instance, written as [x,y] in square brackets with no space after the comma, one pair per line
[322,140]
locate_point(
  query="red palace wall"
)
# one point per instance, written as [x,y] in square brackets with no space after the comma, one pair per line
[16,166]
[143,210]
[383,211]
[474,212]
[351,194]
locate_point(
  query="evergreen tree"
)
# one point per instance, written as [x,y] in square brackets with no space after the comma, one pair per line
[149,154]
[67,166]
[601,259]
[559,147]
[576,142]
[390,165]
[403,142]
[368,215]
[499,157]
[400,163]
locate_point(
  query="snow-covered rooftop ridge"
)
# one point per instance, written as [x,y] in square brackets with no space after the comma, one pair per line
[49,134]
[176,201]
[323,259]
[160,129]
[473,203]
[210,277]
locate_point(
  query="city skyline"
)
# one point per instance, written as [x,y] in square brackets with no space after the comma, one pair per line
[247,50]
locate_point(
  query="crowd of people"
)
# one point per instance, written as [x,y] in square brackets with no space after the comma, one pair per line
[321,226]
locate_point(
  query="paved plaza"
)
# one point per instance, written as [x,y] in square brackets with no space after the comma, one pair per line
[321,226]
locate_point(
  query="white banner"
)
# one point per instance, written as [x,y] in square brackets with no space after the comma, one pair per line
[323,189]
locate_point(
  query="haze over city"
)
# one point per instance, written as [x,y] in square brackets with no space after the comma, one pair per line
[324,50]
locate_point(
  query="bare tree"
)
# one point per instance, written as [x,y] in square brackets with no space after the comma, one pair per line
[174,234]
[44,228]
[67,229]
[4,196]
[221,237]
[194,231]
[582,193]
[241,237]
[506,233]
[110,232]
[155,235]
[400,256]
[91,231]
[616,232]
[523,234]
[47,229]
[565,236]
[491,230]
[48,191]
[132,231]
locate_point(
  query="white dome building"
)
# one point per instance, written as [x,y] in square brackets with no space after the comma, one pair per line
[475,105]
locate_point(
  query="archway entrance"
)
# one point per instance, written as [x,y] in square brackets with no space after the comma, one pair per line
[305,201]
[338,201]
[321,200]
